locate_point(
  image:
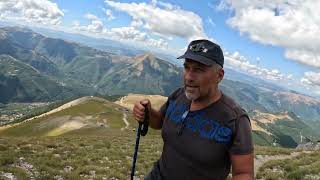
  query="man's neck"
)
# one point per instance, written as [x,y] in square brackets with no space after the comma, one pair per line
[204,102]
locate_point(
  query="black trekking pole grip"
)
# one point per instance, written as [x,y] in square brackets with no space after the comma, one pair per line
[142,129]
[145,123]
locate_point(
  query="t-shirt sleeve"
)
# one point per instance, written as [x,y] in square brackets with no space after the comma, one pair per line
[164,107]
[242,142]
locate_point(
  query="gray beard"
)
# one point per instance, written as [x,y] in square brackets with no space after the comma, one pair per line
[191,98]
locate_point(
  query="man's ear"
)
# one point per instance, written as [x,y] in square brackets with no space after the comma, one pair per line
[221,75]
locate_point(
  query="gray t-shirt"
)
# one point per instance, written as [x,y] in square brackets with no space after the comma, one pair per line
[207,138]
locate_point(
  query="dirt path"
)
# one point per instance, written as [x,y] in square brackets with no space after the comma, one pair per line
[124,118]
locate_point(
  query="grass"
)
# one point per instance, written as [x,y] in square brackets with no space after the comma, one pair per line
[93,113]
[108,155]
[304,166]
[271,151]
[90,152]
[105,152]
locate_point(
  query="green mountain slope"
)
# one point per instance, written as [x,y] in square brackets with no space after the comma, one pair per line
[84,114]
[281,129]
[272,101]
[23,83]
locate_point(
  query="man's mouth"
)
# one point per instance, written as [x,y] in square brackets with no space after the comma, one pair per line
[191,88]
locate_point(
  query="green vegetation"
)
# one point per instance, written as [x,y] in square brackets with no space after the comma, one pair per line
[97,150]
[304,166]
[272,151]
[85,141]
[92,113]
[79,157]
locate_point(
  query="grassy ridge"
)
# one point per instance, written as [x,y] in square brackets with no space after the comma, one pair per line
[100,150]
[93,113]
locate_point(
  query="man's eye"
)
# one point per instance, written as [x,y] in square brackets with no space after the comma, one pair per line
[199,69]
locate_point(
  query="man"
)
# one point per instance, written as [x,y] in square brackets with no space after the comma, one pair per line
[204,131]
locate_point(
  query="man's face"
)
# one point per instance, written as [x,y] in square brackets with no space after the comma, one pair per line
[200,81]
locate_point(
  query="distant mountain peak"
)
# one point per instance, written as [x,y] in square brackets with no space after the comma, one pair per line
[271,118]
[298,98]
[17,28]
[145,57]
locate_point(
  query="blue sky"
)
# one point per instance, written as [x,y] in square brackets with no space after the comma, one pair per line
[274,40]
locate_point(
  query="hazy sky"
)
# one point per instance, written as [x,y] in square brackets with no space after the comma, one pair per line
[277,40]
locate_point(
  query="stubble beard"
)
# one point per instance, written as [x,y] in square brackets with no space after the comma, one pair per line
[193,95]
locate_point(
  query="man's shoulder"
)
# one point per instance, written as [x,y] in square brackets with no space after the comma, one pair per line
[232,105]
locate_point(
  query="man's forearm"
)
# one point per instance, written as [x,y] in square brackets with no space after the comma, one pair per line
[155,119]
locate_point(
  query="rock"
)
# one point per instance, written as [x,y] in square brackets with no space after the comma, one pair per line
[8,176]
[309,146]
[68,169]
[92,173]
[56,155]
[58,177]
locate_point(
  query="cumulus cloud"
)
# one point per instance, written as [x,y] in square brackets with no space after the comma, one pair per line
[109,14]
[311,78]
[131,34]
[163,18]
[91,16]
[238,62]
[127,33]
[95,26]
[35,11]
[293,25]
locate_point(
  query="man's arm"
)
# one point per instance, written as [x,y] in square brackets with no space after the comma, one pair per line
[155,119]
[242,167]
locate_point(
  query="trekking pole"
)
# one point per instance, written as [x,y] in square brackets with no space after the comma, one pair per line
[142,129]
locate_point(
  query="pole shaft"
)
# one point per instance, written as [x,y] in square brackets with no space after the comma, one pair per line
[136,151]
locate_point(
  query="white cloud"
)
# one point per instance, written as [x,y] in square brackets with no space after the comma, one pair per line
[132,34]
[311,78]
[170,21]
[293,25]
[34,11]
[95,26]
[109,14]
[128,34]
[238,62]
[91,16]
[167,6]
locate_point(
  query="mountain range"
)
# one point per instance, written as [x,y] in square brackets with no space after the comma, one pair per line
[36,68]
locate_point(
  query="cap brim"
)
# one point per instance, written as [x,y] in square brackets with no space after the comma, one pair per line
[198,58]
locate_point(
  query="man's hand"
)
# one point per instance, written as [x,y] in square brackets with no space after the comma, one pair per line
[155,117]
[139,109]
